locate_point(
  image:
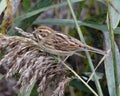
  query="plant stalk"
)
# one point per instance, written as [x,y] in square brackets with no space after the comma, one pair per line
[88,56]
[111,32]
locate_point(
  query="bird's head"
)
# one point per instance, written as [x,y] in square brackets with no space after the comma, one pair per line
[42,32]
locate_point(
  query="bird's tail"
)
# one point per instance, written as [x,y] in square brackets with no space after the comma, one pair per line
[92,49]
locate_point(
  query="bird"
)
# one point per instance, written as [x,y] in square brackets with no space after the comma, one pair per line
[60,44]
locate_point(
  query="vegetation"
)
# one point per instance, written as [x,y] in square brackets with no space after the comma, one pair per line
[34,73]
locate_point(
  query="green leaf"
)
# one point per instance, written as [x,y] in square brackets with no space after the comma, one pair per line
[114,12]
[25,23]
[79,85]
[118,61]
[34,91]
[109,68]
[98,19]
[2,6]
[29,15]
[69,22]
[26,5]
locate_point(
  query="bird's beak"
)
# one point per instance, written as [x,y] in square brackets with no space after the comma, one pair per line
[34,32]
[35,28]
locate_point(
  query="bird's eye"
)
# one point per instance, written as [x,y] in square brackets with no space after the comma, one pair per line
[40,30]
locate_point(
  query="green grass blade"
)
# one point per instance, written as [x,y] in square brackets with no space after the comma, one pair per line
[2,6]
[87,54]
[115,12]
[117,61]
[109,69]
[30,14]
[70,22]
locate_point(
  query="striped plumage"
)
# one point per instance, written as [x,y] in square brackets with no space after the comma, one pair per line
[57,43]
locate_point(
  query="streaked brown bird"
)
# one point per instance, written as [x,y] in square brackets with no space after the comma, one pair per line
[60,44]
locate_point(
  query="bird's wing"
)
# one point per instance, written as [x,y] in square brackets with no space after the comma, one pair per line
[61,42]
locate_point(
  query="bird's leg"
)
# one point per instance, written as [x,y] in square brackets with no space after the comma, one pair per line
[103,58]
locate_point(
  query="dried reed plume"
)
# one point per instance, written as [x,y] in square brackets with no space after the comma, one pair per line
[23,56]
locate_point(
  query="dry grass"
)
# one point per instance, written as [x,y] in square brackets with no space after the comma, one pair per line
[23,56]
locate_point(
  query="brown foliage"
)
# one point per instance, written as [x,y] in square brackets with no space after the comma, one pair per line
[23,56]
